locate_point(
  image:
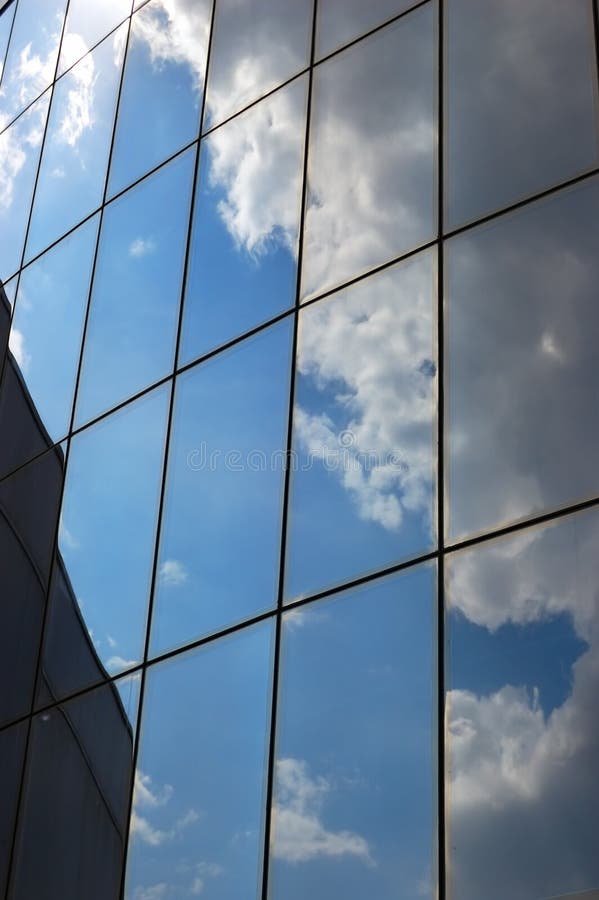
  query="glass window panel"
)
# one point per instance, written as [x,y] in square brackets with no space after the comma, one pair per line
[257,45]
[162,90]
[521,100]
[88,21]
[362,469]
[523,423]
[73,170]
[197,822]
[340,21]
[5,313]
[523,735]
[45,341]
[74,812]
[371,178]
[101,585]
[12,749]
[20,147]
[31,59]
[244,250]
[130,339]
[354,797]
[6,19]
[220,541]
[10,289]
[29,501]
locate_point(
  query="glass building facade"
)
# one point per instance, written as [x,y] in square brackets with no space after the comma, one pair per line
[299,428]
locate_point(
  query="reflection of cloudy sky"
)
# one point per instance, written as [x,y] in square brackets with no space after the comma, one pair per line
[520,100]
[522,325]
[524,743]
[340,21]
[363,424]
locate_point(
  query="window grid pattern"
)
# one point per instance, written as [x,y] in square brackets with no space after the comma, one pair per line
[445,549]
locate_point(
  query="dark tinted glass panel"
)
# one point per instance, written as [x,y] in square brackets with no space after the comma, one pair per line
[340,21]
[12,750]
[219,548]
[199,799]
[130,340]
[102,577]
[20,146]
[244,253]
[354,797]
[10,289]
[521,100]
[160,103]
[257,45]
[88,21]
[523,794]
[29,502]
[32,54]
[362,476]
[73,170]
[522,325]
[6,19]
[74,810]
[374,102]
[45,342]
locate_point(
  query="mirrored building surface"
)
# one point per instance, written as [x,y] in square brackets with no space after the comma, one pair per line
[299,507]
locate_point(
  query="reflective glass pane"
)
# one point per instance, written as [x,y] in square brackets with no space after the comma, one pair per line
[362,469]
[6,19]
[74,810]
[20,146]
[88,21]
[371,179]
[10,289]
[200,783]
[522,320]
[12,749]
[101,585]
[521,100]
[6,302]
[130,339]
[219,547]
[73,170]
[523,734]
[31,59]
[160,103]
[243,267]
[355,793]
[45,341]
[340,21]
[257,45]
[29,501]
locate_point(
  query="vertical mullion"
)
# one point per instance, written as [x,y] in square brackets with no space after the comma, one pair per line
[12,25]
[441,839]
[287,479]
[169,429]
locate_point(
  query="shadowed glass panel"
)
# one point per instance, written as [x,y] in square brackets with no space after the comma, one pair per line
[45,342]
[77,145]
[74,810]
[355,784]
[521,100]
[160,104]
[102,575]
[219,548]
[29,503]
[198,808]
[522,320]
[371,173]
[12,752]
[362,470]
[130,339]
[243,267]
[257,45]
[88,21]
[31,59]
[340,21]
[523,735]
[20,147]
